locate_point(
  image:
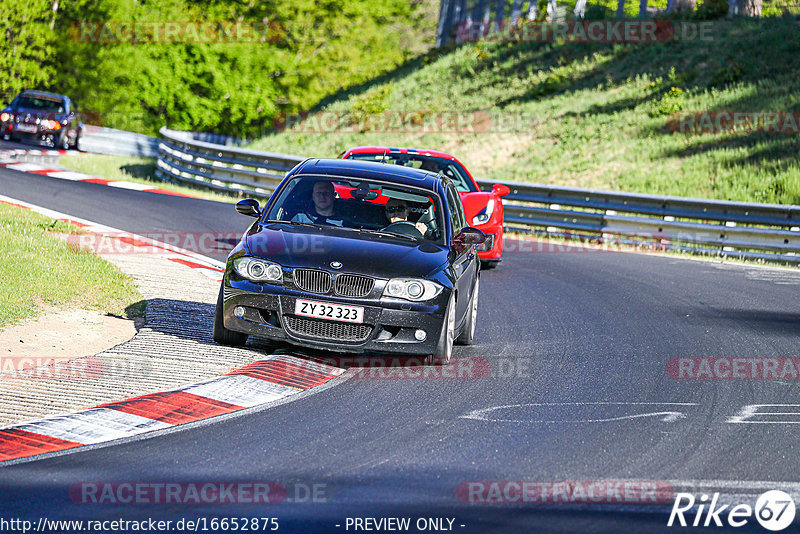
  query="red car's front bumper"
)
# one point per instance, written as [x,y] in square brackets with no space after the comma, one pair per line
[492,248]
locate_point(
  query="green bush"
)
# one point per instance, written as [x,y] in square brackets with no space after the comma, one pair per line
[669,103]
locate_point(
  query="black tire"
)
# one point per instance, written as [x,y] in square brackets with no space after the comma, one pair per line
[467,336]
[444,349]
[489,264]
[78,143]
[222,335]
[63,141]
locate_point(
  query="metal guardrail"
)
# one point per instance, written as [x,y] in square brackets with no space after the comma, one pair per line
[102,140]
[185,159]
[736,229]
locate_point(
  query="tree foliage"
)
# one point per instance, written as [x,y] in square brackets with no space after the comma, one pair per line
[26,44]
[235,86]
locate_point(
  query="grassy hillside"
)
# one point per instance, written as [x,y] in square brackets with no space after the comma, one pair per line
[595,115]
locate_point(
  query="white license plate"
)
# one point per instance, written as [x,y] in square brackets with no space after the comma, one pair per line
[325,310]
[31,128]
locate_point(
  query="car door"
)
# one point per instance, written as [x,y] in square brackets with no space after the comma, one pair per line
[465,263]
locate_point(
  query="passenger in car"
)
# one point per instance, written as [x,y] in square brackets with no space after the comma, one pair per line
[322,207]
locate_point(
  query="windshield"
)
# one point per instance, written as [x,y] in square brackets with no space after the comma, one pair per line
[448,167]
[44,104]
[367,206]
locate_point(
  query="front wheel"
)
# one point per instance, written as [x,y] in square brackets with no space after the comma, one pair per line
[444,350]
[467,336]
[222,335]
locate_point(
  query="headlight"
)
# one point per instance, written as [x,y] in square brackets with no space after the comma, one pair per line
[257,270]
[414,289]
[5,117]
[51,125]
[485,214]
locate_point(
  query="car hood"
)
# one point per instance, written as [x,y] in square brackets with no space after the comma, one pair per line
[378,256]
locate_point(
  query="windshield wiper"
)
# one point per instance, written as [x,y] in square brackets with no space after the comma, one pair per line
[296,223]
[381,232]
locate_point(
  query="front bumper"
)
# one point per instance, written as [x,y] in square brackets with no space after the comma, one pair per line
[388,325]
[41,136]
[492,248]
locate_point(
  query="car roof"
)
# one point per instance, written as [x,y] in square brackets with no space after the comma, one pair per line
[43,94]
[401,150]
[369,169]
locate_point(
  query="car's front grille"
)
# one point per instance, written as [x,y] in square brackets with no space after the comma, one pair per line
[326,330]
[353,285]
[312,280]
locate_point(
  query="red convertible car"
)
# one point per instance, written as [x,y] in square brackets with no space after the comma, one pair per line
[483,209]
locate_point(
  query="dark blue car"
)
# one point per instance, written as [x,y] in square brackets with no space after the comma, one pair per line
[45,118]
[355,256]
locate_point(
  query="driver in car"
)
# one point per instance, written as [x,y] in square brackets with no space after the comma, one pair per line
[397,211]
[322,210]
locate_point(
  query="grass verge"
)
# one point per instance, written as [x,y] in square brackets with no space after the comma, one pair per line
[133,169]
[592,115]
[41,268]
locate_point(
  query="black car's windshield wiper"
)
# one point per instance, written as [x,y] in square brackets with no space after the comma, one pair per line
[381,232]
[359,230]
[296,223]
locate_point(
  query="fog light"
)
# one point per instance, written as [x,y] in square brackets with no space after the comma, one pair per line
[238,311]
[420,335]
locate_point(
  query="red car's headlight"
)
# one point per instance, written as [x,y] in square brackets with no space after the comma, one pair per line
[485,214]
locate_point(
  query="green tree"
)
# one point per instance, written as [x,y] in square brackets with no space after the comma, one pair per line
[26,43]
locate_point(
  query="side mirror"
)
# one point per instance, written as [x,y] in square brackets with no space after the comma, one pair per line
[248,206]
[466,238]
[501,190]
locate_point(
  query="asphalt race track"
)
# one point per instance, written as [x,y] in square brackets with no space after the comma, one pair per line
[578,344]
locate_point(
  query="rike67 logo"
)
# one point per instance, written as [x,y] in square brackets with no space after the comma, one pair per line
[774,510]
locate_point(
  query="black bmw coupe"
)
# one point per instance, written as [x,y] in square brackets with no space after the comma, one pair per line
[355,256]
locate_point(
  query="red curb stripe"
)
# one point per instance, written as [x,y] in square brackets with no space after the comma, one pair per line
[194,265]
[283,373]
[43,171]
[137,242]
[16,443]
[101,181]
[15,205]
[173,407]
[168,192]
